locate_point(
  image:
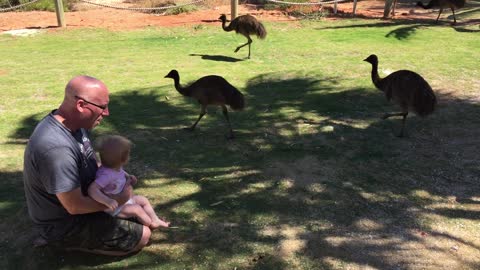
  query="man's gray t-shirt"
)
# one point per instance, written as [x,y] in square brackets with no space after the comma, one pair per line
[56,160]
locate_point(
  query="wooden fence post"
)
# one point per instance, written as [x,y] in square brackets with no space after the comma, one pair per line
[59,11]
[234,8]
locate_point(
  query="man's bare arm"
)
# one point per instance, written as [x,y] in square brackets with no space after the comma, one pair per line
[95,191]
[75,203]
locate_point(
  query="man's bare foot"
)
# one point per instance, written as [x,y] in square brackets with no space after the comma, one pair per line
[159,223]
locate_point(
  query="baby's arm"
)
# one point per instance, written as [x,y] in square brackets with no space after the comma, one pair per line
[132,178]
[95,192]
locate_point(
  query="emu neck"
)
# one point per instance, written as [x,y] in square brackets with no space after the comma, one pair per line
[182,90]
[225,28]
[375,78]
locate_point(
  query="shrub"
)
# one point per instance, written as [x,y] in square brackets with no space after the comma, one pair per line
[44,5]
[163,3]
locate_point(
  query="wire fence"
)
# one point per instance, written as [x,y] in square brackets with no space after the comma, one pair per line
[143,9]
[121,6]
[318,3]
[14,7]
[307,3]
[111,4]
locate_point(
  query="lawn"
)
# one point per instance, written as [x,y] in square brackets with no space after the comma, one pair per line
[314,179]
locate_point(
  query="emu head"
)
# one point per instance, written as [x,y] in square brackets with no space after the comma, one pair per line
[172,74]
[223,18]
[372,59]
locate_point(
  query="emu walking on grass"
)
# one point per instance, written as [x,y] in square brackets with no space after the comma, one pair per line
[452,4]
[407,89]
[246,25]
[210,90]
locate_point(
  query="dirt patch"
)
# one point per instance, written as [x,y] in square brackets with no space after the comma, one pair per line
[115,19]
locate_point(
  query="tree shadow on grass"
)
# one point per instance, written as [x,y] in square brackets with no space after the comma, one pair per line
[314,175]
[331,195]
[11,193]
[407,28]
[406,31]
[26,127]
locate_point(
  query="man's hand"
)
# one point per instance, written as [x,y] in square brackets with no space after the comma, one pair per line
[112,205]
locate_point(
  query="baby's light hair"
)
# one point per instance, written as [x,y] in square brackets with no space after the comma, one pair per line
[114,150]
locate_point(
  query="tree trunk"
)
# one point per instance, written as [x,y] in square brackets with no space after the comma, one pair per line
[388,8]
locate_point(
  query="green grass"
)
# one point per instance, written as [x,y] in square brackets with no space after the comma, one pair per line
[314,179]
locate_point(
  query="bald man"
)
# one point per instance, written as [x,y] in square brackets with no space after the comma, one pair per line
[60,163]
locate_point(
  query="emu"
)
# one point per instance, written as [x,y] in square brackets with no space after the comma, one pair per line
[210,90]
[246,25]
[452,4]
[407,89]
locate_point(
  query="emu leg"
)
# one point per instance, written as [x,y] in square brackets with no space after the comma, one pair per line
[403,125]
[393,8]
[203,111]
[441,9]
[404,114]
[225,113]
[243,45]
[454,19]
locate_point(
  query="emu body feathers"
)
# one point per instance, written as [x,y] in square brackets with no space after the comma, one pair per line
[210,90]
[246,25]
[406,88]
[452,4]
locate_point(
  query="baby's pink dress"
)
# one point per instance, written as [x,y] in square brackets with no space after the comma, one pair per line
[112,182]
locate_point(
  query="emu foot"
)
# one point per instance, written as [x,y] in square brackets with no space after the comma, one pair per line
[189,128]
[236,50]
[230,136]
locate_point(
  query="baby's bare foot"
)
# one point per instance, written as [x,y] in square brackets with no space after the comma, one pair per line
[159,223]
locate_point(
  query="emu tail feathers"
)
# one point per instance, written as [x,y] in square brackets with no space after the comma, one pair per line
[260,31]
[425,102]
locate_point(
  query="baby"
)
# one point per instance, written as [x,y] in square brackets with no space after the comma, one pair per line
[111,178]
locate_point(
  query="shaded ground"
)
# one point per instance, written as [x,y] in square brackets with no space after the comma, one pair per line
[115,19]
[379,220]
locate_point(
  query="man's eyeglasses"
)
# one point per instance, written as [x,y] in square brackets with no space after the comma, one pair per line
[103,107]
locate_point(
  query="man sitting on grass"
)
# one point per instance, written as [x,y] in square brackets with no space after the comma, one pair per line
[60,163]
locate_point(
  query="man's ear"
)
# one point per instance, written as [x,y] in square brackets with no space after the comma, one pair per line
[79,106]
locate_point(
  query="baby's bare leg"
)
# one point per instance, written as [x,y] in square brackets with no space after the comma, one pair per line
[147,207]
[136,210]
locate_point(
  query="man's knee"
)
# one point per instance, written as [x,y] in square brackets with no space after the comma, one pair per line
[144,239]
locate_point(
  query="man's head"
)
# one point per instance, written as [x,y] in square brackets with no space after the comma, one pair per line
[85,103]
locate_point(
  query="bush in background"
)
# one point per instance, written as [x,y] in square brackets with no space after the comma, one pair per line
[43,5]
